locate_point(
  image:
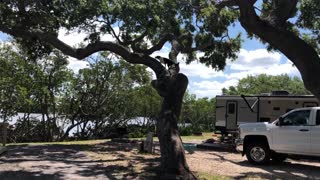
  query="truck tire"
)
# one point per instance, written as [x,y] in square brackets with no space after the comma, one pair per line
[258,153]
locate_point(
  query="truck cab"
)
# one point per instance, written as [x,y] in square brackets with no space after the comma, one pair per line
[294,133]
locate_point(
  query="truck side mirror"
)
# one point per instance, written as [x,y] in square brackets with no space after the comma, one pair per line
[280,121]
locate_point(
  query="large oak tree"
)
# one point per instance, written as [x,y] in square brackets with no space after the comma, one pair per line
[140,28]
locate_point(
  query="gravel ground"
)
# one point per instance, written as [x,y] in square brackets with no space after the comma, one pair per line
[112,160]
[235,166]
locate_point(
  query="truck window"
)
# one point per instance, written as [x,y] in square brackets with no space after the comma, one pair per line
[297,118]
[318,118]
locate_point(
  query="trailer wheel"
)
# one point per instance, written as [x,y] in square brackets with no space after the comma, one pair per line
[258,153]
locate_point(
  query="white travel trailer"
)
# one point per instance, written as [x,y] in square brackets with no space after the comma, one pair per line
[234,110]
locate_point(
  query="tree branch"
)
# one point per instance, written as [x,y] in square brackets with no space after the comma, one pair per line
[281,11]
[108,23]
[156,47]
[287,42]
[81,53]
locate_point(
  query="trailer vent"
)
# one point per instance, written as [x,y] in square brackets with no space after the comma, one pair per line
[280,93]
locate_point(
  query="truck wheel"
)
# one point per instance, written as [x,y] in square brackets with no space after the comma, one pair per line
[258,153]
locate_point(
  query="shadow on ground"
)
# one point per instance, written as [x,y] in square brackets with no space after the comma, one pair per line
[107,160]
[288,169]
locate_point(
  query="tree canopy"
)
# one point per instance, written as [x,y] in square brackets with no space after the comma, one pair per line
[254,85]
[143,26]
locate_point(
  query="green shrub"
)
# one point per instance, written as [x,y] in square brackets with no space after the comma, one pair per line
[186,131]
[135,134]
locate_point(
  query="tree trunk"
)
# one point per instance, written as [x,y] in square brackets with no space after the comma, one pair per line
[304,56]
[173,161]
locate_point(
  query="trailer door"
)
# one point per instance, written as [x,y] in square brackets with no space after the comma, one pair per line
[231,115]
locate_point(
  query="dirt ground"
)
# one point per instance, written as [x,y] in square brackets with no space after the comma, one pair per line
[114,160]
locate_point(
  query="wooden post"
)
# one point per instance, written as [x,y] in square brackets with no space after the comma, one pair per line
[148,143]
[3,133]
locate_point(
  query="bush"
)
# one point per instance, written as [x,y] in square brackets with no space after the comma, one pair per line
[186,131]
[136,134]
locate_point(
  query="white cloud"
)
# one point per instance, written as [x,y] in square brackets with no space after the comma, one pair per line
[256,58]
[196,69]
[71,38]
[76,64]
[254,62]
[74,38]
[211,88]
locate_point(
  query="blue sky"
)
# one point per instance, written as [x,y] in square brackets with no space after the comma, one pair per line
[253,59]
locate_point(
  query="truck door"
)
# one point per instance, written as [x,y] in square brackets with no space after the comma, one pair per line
[231,115]
[294,133]
[315,135]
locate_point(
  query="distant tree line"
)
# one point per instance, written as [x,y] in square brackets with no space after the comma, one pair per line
[263,83]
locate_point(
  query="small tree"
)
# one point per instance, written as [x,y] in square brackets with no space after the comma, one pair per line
[101,96]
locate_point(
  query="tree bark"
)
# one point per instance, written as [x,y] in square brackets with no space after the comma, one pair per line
[173,161]
[304,56]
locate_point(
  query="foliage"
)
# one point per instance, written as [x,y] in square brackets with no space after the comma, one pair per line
[253,85]
[97,99]
[186,131]
[147,101]
[199,112]
[104,96]
[12,92]
[131,23]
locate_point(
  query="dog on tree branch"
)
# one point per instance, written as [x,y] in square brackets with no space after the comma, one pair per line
[173,67]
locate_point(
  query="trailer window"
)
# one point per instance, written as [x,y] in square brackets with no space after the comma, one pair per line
[276,108]
[318,118]
[264,119]
[231,108]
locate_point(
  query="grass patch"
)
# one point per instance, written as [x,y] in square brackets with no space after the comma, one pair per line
[84,142]
[205,135]
[206,176]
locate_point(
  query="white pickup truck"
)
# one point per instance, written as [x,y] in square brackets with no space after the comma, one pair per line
[294,133]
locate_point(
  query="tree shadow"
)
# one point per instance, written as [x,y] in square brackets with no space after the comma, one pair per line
[109,161]
[288,170]
[275,170]
[138,165]
[11,175]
